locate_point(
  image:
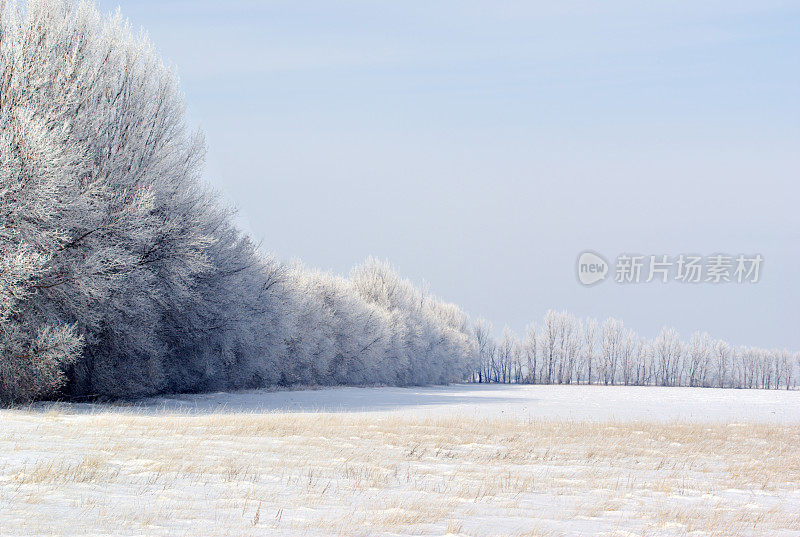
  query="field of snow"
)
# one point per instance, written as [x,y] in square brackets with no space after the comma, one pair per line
[460,460]
[645,403]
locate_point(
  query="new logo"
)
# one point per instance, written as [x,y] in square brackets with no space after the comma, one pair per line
[592,268]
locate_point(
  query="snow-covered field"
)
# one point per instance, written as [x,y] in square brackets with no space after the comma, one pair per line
[594,403]
[459,460]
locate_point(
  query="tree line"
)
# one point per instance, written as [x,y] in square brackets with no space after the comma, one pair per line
[123,275]
[566,350]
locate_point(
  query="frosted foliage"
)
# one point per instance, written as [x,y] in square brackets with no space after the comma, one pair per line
[121,275]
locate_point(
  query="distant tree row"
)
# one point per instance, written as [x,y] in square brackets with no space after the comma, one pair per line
[566,350]
[121,275]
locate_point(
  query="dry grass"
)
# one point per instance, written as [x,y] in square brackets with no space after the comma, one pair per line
[345,474]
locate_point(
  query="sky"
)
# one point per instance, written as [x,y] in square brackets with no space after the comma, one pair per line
[482,146]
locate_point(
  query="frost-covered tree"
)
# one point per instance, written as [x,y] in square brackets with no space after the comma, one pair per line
[630,357]
[122,275]
[644,363]
[612,339]
[668,357]
[570,341]
[485,349]
[722,358]
[433,341]
[549,336]
[698,359]
[131,250]
[589,351]
[530,349]
[505,356]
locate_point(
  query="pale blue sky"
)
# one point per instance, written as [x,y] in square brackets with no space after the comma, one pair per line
[481,146]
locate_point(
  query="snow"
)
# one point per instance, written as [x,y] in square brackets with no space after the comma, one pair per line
[592,403]
[465,460]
